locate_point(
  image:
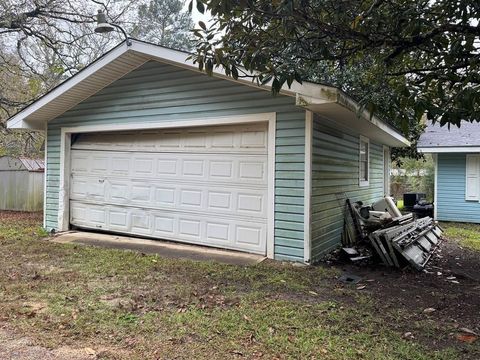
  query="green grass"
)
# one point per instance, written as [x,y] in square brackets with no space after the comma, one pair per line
[468,235]
[68,295]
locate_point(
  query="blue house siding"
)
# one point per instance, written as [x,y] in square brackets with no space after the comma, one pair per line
[451,203]
[159,92]
[335,173]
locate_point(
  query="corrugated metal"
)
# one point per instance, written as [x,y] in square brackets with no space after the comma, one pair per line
[35,165]
[335,177]
[157,92]
[451,203]
[21,190]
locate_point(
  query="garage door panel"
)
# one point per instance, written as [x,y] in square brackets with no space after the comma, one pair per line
[204,186]
[210,199]
[242,169]
[239,138]
[197,229]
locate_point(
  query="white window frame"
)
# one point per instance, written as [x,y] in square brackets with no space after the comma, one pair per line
[386,170]
[472,159]
[363,182]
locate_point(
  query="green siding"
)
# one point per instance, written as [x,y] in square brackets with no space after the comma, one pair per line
[451,182]
[335,173]
[159,92]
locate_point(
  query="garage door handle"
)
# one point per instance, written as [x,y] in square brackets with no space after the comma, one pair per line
[101,181]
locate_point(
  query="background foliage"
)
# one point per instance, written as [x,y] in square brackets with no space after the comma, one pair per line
[43,42]
[400,59]
[412,175]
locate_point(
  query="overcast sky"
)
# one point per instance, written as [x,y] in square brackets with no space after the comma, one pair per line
[196,15]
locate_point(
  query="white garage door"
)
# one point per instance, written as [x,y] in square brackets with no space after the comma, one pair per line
[199,185]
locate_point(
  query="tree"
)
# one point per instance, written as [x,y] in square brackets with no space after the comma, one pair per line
[402,59]
[163,22]
[43,42]
[414,175]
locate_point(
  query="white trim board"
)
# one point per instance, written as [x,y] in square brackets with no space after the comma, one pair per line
[451,149]
[45,178]
[307,246]
[386,170]
[361,182]
[435,187]
[65,148]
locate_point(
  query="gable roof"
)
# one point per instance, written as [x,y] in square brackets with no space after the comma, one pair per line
[436,138]
[326,100]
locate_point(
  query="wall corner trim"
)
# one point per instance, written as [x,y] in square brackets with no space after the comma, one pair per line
[307,246]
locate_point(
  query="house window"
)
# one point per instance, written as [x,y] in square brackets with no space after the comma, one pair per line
[364,161]
[472,186]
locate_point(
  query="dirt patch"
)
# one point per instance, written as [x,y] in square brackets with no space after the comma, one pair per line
[17,347]
[445,295]
[21,216]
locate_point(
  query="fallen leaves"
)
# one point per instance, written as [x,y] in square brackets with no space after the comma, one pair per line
[467,338]
[467,335]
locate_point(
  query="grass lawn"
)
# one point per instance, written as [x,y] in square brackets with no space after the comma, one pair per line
[125,305]
[468,235]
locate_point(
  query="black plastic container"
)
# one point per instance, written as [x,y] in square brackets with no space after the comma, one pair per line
[411,199]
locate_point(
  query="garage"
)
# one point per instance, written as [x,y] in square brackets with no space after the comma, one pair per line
[204,185]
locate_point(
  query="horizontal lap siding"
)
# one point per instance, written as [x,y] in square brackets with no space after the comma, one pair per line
[451,203]
[335,172]
[157,92]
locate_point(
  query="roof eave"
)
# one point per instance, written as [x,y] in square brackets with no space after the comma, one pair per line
[337,106]
[448,149]
[315,97]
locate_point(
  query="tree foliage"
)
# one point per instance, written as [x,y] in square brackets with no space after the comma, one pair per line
[402,59]
[414,175]
[43,42]
[164,22]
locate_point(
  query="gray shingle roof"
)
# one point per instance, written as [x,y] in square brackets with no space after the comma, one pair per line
[436,136]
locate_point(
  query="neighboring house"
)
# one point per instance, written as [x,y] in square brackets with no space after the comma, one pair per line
[140,142]
[21,184]
[456,153]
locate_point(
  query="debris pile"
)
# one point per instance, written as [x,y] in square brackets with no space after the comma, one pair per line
[396,240]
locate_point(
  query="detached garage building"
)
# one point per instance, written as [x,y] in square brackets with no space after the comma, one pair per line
[142,143]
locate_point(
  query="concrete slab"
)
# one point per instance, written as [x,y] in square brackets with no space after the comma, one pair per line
[161,248]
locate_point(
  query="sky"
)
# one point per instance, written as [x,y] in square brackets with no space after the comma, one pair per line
[196,15]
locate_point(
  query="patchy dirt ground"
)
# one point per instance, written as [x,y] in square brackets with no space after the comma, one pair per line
[15,346]
[449,287]
[75,302]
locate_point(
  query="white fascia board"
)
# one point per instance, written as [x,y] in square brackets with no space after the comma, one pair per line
[18,120]
[449,149]
[349,103]
[336,96]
